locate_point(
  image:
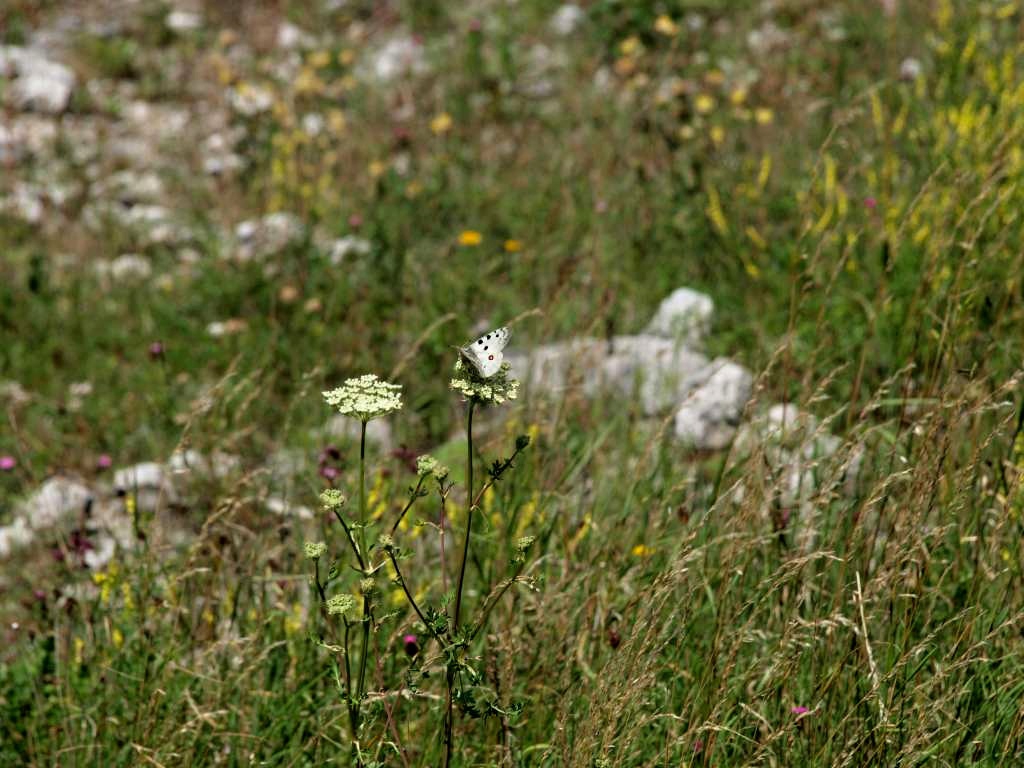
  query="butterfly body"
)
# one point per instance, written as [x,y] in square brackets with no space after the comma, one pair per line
[486,353]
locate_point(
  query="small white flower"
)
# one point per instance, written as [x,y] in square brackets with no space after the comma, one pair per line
[495,389]
[332,499]
[366,397]
[340,605]
[425,464]
[428,465]
[315,549]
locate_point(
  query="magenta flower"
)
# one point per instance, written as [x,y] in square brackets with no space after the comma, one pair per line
[870,203]
[411,644]
[7,463]
[799,710]
[156,350]
[104,461]
[355,221]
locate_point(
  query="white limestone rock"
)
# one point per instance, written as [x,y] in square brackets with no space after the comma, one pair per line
[684,314]
[58,501]
[340,427]
[659,371]
[567,19]
[401,56]
[708,417]
[261,238]
[39,84]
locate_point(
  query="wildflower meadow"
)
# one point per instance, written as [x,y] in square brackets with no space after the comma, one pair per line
[591,384]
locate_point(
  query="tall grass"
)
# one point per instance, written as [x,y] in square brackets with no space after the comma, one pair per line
[685,608]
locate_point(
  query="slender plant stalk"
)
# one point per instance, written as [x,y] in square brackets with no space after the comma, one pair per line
[408,506]
[365,648]
[449,719]
[469,515]
[362,488]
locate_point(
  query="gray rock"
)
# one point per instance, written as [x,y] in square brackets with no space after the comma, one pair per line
[149,482]
[40,85]
[181,21]
[281,507]
[567,19]
[659,371]
[291,37]
[378,431]
[684,314]
[401,56]
[149,224]
[157,485]
[261,238]
[804,457]
[58,501]
[709,416]
[26,136]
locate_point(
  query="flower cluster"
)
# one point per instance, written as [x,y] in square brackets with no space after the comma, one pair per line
[315,549]
[332,499]
[365,397]
[340,605]
[428,465]
[496,389]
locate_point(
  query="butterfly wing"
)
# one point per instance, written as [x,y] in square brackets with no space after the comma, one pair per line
[485,354]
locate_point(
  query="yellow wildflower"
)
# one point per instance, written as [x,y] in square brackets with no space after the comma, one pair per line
[717,134]
[441,124]
[377,169]
[704,103]
[738,96]
[470,237]
[764,116]
[319,59]
[336,121]
[117,637]
[293,620]
[631,45]
[513,246]
[665,26]
[642,550]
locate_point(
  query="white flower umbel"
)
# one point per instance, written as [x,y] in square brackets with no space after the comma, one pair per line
[315,549]
[365,397]
[494,390]
[340,605]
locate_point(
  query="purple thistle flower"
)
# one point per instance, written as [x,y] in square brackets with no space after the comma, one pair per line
[411,644]
[7,463]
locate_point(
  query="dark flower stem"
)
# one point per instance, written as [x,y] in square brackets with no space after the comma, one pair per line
[469,515]
[351,540]
[412,602]
[361,685]
[449,720]
[412,500]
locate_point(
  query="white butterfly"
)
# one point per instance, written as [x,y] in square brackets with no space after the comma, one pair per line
[484,354]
